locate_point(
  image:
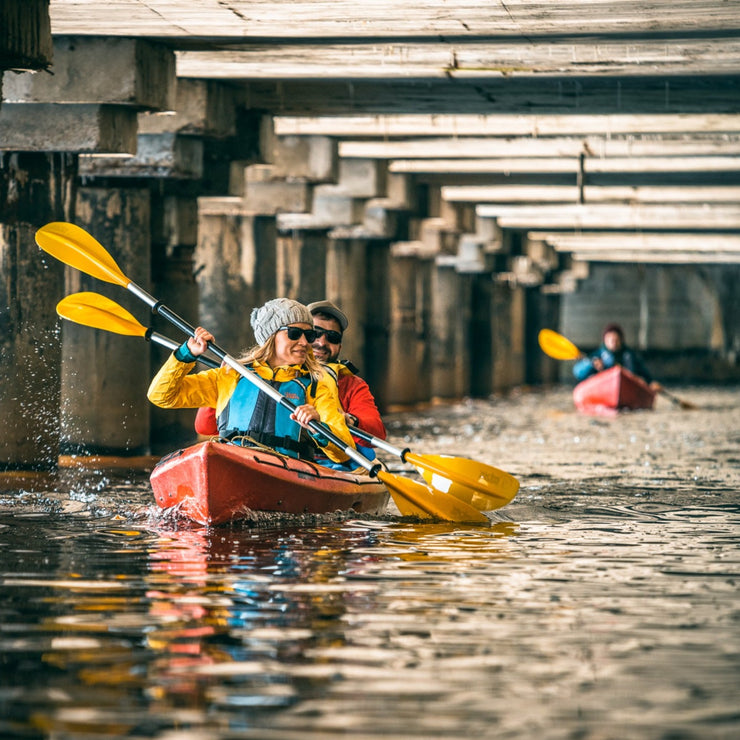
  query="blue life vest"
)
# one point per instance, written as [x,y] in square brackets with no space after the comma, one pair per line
[252,413]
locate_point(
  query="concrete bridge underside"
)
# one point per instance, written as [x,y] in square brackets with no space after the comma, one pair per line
[455,176]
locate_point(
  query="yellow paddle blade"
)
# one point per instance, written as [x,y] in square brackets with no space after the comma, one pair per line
[75,247]
[557,346]
[482,486]
[93,309]
[416,499]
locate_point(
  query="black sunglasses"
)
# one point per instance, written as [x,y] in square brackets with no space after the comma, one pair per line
[333,337]
[295,332]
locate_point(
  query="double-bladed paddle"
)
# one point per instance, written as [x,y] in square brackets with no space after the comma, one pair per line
[75,247]
[561,348]
[483,486]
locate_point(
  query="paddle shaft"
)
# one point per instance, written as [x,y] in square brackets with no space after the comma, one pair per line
[173,345]
[159,308]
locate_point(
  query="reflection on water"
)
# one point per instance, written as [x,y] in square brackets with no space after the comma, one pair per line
[598,608]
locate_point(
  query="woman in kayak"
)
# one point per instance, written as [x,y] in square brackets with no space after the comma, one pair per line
[613,351]
[284,331]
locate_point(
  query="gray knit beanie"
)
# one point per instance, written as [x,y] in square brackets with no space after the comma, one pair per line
[267,319]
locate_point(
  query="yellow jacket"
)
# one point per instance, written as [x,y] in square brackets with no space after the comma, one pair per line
[175,387]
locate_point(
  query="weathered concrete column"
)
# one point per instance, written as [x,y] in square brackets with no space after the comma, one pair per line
[543,311]
[104,375]
[346,286]
[378,321]
[301,264]
[481,333]
[174,235]
[235,264]
[450,341]
[34,189]
[410,307]
[507,327]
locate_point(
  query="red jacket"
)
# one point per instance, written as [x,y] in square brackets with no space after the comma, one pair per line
[356,399]
[354,395]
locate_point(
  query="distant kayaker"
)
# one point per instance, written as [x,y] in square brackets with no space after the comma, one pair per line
[360,409]
[284,331]
[613,351]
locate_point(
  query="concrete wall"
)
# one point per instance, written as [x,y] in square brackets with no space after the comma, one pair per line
[684,318]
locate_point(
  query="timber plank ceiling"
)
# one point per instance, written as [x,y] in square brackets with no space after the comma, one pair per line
[642,97]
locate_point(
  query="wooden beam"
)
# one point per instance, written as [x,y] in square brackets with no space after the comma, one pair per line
[598,147]
[457,20]
[505,125]
[615,217]
[510,165]
[636,241]
[682,258]
[465,59]
[591,194]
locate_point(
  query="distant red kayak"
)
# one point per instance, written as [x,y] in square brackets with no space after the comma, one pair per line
[611,391]
[214,482]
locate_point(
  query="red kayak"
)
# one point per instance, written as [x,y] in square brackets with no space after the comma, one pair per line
[215,482]
[611,391]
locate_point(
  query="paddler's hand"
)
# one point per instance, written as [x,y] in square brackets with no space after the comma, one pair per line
[198,343]
[305,414]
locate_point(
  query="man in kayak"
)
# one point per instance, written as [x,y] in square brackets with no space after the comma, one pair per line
[284,331]
[360,409]
[613,351]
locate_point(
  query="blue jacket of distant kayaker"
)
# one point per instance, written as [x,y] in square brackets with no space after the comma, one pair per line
[251,413]
[625,357]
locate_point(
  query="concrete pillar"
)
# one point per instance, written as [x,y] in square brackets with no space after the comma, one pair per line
[481,334]
[543,311]
[403,370]
[104,375]
[347,287]
[174,225]
[301,264]
[235,266]
[34,189]
[507,327]
[410,318]
[174,285]
[450,341]
[378,321]
[725,280]
[424,300]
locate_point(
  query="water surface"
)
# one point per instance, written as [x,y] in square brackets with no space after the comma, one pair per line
[602,603]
